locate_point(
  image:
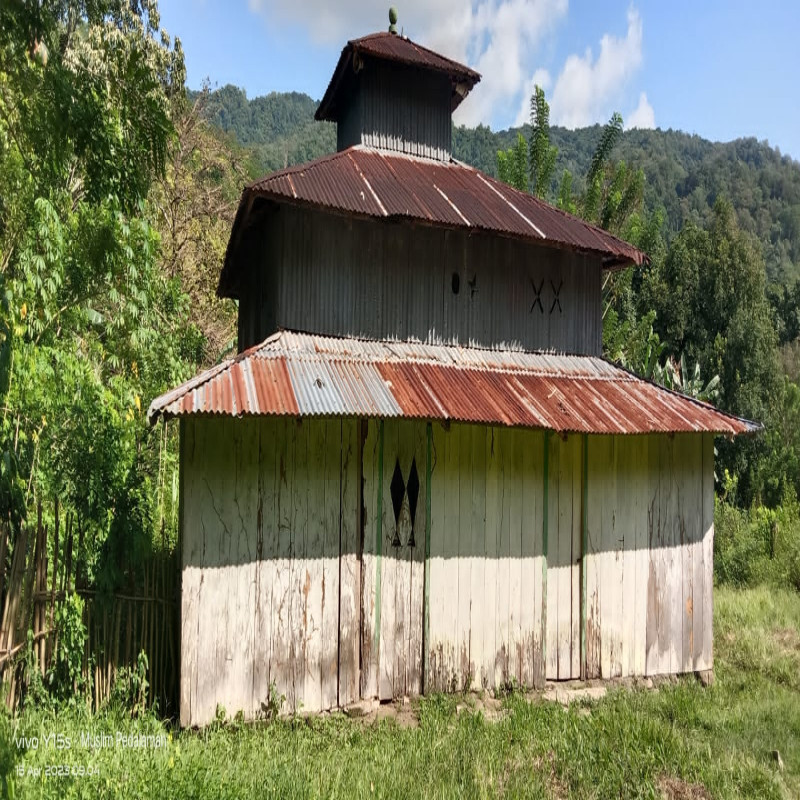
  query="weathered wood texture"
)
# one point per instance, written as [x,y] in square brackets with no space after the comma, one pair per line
[393,558]
[317,272]
[263,528]
[304,559]
[485,558]
[649,558]
[397,108]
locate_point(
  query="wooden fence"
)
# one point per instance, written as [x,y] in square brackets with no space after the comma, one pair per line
[39,568]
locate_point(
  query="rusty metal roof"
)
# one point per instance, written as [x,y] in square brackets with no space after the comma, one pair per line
[401,50]
[293,374]
[375,183]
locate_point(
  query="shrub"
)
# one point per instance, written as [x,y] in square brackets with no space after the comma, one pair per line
[758,545]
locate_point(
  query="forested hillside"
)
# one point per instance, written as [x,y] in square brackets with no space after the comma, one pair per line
[684,173]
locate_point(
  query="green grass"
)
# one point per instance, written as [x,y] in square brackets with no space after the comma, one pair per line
[717,741]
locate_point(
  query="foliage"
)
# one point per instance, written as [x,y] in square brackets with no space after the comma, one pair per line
[195,202]
[542,154]
[130,689]
[758,545]
[513,165]
[710,303]
[715,741]
[66,682]
[90,325]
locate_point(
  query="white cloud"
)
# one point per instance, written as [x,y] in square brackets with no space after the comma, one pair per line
[499,38]
[587,87]
[642,116]
[511,32]
[496,37]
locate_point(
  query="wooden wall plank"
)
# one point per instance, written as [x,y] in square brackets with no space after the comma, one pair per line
[489,624]
[512,490]
[641,490]
[299,580]
[658,615]
[350,564]
[613,542]
[441,627]
[414,668]
[370,566]
[451,531]
[530,565]
[598,477]
[331,532]
[463,524]
[554,567]
[576,454]
[673,610]
[477,557]
[503,637]
[388,568]
[281,671]
[402,567]
[706,659]
[628,498]
[312,564]
[266,560]
[685,474]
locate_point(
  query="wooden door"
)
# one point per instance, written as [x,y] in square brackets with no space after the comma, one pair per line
[393,558]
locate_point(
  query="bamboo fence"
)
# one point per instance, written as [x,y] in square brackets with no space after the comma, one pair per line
[40,568]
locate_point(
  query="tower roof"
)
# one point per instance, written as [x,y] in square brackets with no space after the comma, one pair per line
[400,50]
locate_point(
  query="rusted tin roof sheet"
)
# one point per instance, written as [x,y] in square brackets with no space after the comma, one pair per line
[292,374]
[400,49]
[375,183]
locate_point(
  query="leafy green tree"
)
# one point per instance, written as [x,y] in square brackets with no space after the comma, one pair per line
[542,154]
[90,327]
[710,302]
[512,165]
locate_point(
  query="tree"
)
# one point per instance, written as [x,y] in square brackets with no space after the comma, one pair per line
[513,166]
[89,325]
[195,202]
[710,302]
[542,154]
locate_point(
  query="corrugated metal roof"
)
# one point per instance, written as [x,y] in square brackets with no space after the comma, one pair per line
[401,50]
[293,374]
[375,183]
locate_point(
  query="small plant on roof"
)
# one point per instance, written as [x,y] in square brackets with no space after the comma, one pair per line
[392,20]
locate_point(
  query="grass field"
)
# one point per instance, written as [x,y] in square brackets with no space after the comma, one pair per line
[679,741]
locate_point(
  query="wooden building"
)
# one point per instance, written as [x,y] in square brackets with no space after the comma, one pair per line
[419,474]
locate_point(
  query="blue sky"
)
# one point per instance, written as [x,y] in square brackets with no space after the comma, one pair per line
[718,69]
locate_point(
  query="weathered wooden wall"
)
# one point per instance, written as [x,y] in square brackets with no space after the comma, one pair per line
[649,566]
[393,559]
[399,108]
[329,274]
[486,557]
[268,505]
[341,559]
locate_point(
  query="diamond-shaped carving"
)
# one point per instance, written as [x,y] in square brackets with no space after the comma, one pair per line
[397,489]
[413,498]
